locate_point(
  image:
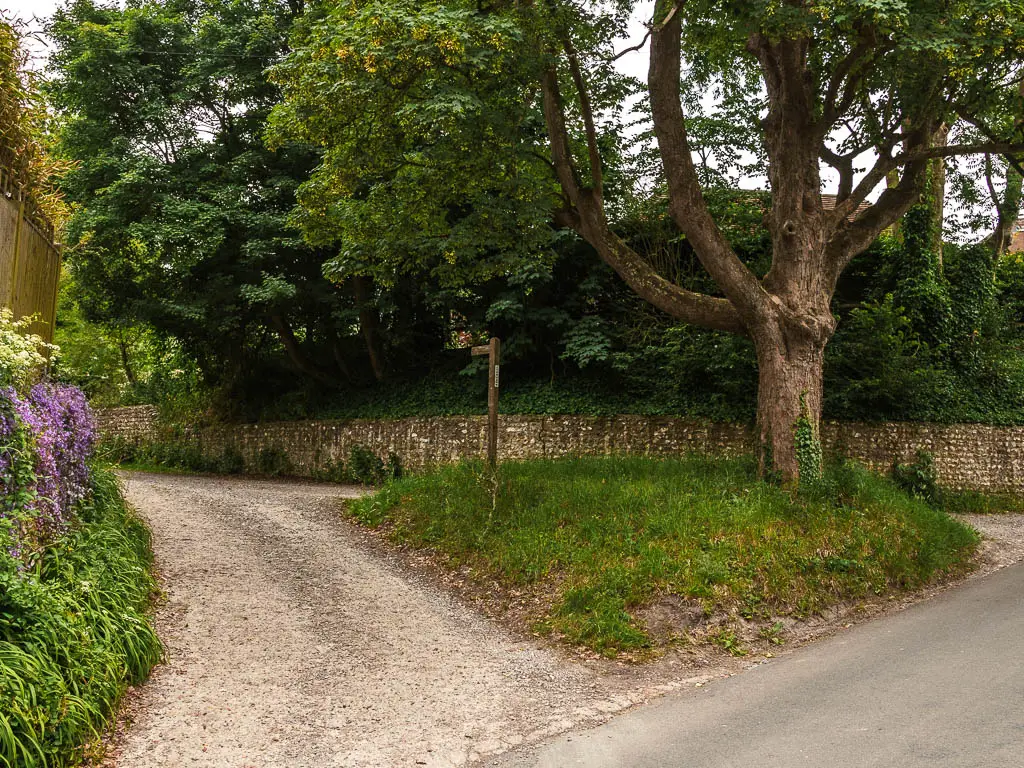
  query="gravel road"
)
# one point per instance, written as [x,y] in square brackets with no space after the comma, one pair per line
[293,642]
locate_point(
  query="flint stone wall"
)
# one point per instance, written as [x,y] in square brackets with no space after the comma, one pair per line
[135,423]
[966,455]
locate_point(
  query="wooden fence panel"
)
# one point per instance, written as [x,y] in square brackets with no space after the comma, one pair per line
[9,218]
[29,262]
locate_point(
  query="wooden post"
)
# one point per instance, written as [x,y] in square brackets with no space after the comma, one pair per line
[58,249]
[18,226]
[493,352]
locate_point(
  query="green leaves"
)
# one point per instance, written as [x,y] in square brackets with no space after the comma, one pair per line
[181,217]
[429,136]
[272,290]
[74,635]
[27,158]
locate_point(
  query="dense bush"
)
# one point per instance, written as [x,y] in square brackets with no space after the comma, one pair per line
[21,353]
[919,478]
[913,343]
[273,461]
[362,466]
[919,338]
[74,575]
[180,454]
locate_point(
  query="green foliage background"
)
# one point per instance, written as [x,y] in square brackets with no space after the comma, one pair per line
[290,210]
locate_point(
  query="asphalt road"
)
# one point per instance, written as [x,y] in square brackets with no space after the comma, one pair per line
[940,684]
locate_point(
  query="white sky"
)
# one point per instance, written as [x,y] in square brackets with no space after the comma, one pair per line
[28,11]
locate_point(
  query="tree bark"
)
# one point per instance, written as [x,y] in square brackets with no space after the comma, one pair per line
[369,324]
[1008,208]
[1008,212]
[937,193]
[296,354]
[126,362]
[789,400]
[786,312]
[892,180]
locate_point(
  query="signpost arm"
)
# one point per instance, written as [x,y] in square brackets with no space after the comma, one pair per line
[493,352]
[494,378]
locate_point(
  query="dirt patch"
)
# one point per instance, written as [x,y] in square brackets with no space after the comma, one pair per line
[670,616]
[1002,541]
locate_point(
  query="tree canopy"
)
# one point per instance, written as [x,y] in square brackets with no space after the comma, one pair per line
[838,84]
[181,210]
[317,196]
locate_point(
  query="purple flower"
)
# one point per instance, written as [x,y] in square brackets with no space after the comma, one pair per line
[46,439]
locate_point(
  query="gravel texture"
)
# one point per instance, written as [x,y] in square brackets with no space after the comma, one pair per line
[1002,539]
[292,642]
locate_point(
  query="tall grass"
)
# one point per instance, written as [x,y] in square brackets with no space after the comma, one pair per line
[74,633]
[599,538]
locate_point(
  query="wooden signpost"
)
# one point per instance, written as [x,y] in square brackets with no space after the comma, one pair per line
[493,352]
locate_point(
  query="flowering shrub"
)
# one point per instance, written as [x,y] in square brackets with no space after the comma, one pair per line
[21,353]
[75,579]
[46,439]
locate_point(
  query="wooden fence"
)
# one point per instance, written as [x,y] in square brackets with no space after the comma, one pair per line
[29,260]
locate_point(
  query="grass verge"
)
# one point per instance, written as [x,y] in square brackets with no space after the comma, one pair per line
[599,540]
[975,502]
[74,633]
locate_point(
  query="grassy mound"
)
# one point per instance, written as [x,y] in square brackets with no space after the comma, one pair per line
[600,538]
[74,634]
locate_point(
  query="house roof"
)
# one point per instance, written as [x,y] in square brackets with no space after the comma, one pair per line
[1017,239]
[828,202]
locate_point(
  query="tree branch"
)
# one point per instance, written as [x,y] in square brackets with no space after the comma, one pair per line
[1016,163]
[561,152]
[686,201]
[586,216]
[1007,148]
[844,166]
[831,110]
[632,48]
[853,237]
[588,118]
[650,28]
[988,181]
[296,353]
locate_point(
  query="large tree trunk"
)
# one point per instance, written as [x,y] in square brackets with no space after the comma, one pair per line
[786,312]
[1007,212]
[789,403]
[937,193]
[1008,208]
